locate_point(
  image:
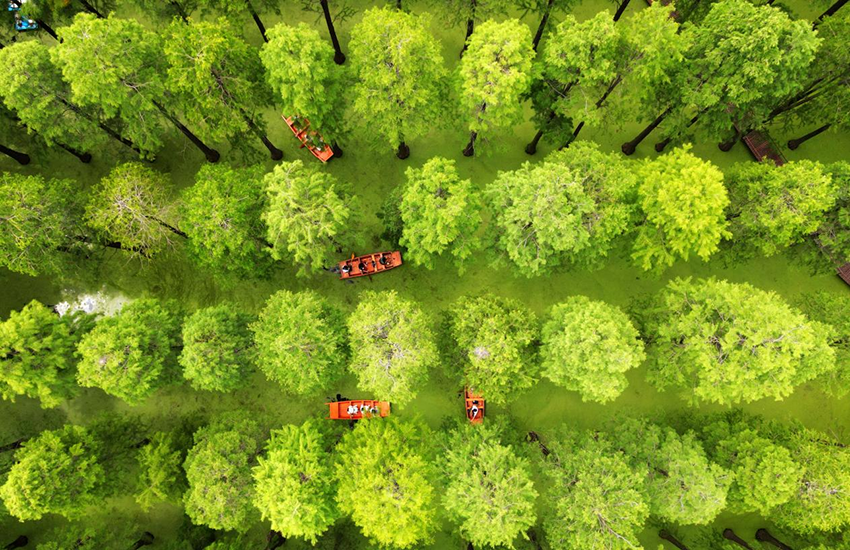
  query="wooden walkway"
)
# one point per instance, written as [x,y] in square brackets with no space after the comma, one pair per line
[844,273]
[763,148]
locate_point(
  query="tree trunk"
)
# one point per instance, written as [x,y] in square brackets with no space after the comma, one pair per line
[469,150]
[531,148]
[47,28]
[470,26]
[13,446]
[339,57]
[211,154]
[623,5]
[398,5]
[665,142]
[91,9]
[542,26]
[532,536]
[832,9]
[274,540]
[182,13]
[763,536]
[672,540]
[118,137]
[794,143]
[630,146]
[337,150]
[146,540]
[169,227]
[533,437]
[729,534]
[257,20]
[403,151]
[469,546]
[572,138]
[22,158]
[276,153]
[85,158]
[19,542]
[727,145]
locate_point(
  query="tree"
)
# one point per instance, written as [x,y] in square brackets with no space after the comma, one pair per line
[234,10]
[217,80]
[96,533]
[489,490]
[217,354]
[168,10]
[117,66]
[37,353]
[161,478]
[728,343]
[570,209]
[130,205]
[55,473]
[307,83]
[682,485]
[455,12]
[774,207]
[390,461]
[218,468]
[307,217]
[493,77]
[829,247]
[440,213]
[588,346]
[546,8]
[343,12]
[830,309]
[131,354]
[392,346]
[400,79]
[494,340]
[301,341]
[222,214]
[294,482]
[593,499]
[682,199]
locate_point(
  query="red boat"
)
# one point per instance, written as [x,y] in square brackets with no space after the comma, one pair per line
[310,139]
[359,266]
[474,406]
[357,409]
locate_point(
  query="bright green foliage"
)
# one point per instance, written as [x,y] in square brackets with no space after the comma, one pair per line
[300,68]
[33,88]
[218,354]
[222,213]
[763,472]
[95,533]
[392,347]
[301,341]
[569,209]
[593,497]
[683,199]
[489,492]
[216,80]
[494,342]
[131,355]
[218,468]
[682,485]
[55,473]
[130,206]
[161,477]
[295,484]
[493,76]
[387,482]
[37,353]
[831,242]
[831,310]
[588,346]
[308,217]
[728,343]
[440,213]
[401,82]
[115,65]
[458,12]
[40,220]
[774,207]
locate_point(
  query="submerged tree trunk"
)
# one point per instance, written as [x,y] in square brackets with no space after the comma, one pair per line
[398,5]
[831,11]
[19,542]
[729,534]
[274,540]
[180,11]
[211,154]
[672,540]
[763,536]
[339,57]
[257,20]
[119,138]
[534,437]
[22,158]
[794,143]
[727,145]
[85,158]
[403,151]
[542,26]
[531,148]
[13,446]
[629,147]
[91,9]
[623,5]
[48,29]
[276,153]
[337,150]
[573,137]
[469,150]
[470,26]
[665,142]
[146,540]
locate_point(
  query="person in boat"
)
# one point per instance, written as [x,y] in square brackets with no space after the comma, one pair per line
[382,260]
[352,410]
[473,411]
[362,267]
[346,268]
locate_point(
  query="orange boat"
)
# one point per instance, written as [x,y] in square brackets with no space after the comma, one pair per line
[359,266]
[474,406]
[310,139]
[357,409]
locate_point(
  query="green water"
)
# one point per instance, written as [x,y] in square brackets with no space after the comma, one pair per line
[372,175]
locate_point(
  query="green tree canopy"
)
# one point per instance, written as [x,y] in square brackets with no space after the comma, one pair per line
[218,353]
[392,346]
[682,199]
[440,213]
[222,213]
[386,481]
[308,218]
[728,343]
[161,477]
[295,484]
[494,345]
[831,243]
[588,346]
[301,341]
[831,309]
[131,354]
[55,473]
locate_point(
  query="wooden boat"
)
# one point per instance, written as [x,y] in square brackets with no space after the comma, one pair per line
[763,148]
[357,409]
[474,403]
[844,273]
[377,262]
[301,128]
